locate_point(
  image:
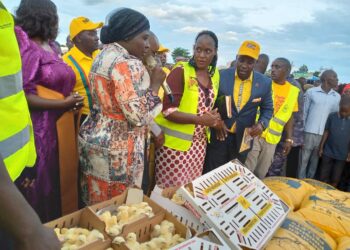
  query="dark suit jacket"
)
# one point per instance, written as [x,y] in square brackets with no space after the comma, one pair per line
[246,117]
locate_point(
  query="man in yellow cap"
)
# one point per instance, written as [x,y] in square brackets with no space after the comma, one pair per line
[83,34]
[246,90]
[162,54]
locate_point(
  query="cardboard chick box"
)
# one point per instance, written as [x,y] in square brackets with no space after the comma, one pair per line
[186,217]
[144,228]
[86,219]
[236,204]
[207,240]
[129,197]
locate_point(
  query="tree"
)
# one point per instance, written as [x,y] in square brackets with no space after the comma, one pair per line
[303,69]
[317,73]
[180,52]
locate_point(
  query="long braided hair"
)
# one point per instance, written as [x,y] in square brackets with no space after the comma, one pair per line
[212,65]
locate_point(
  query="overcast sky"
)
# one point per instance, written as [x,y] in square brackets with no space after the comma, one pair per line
[311,32]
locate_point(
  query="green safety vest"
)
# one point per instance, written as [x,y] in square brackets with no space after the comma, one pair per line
[180,136]
[273,132]
[17,146]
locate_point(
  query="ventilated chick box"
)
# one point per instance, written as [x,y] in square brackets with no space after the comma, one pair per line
[236,204]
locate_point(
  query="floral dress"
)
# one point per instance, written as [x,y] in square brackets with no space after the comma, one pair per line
[112,139]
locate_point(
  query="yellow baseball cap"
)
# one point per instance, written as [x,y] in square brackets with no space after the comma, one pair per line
[80,24]
[249,48]
[163,49]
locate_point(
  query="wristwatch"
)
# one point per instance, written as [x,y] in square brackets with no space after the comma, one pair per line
[290,140]
[262,124]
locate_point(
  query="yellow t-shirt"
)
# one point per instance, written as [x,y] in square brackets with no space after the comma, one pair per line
[85,63]
[241,94]
[279,93]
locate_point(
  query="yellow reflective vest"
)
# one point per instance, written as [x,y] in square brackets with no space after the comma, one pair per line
[180,136]
[17,146]
[273,132]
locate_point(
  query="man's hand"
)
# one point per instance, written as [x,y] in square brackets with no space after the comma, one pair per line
[320,152]
[256,130]
[42,238]
[221,131]
[287,147]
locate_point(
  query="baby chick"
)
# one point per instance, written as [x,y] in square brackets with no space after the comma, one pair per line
[118,240]
[131,242]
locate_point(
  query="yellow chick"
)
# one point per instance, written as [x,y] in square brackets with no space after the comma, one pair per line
[123,215]
[114,230]
[156,231]
[158,243]
[95,235]
[64,230]
[167,227]
[118,240]
[105,216]
[81,240]
[70,238]
[176,239]
[131,242]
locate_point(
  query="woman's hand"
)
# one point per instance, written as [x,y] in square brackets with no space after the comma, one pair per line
[74,101]
[157,78]
[210,118]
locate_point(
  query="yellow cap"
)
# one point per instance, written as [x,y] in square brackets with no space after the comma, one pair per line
[249,48]
[163,49]
[80,24]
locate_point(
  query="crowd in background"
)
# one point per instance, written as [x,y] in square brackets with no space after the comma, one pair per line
[140,121]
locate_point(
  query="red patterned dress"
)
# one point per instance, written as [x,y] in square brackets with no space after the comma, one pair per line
[173,167]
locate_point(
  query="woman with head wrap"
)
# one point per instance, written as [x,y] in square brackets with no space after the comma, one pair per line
[112,139]
[186,120]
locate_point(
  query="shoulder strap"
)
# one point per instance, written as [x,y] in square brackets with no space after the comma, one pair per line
[83,78]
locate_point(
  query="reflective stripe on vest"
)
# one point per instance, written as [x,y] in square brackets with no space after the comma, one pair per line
[180,136]
[276,125]
[17,145]
[278,121]
[10,85]
[15,142]
[177,134]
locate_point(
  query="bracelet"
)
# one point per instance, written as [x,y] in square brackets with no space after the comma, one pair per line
[290,140]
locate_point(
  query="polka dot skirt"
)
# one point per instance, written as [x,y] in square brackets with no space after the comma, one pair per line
[176,168]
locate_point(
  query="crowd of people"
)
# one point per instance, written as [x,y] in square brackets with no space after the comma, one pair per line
[140,121]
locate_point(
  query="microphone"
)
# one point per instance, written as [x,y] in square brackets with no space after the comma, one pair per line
[152,62]
[167,91]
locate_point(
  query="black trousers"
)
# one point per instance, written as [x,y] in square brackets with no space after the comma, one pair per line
[293,162]
[220,152]
[331,170]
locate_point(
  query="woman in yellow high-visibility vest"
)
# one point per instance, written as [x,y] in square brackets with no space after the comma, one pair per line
[185,122]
